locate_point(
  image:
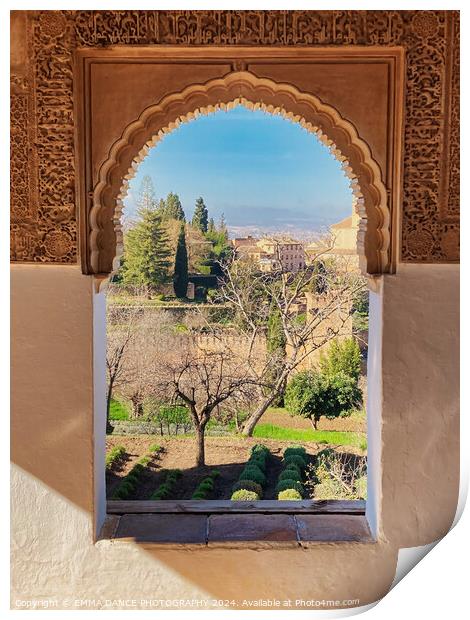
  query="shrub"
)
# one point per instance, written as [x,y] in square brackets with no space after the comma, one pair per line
[260,448]
[361,487]
[294,467]
[300,450]
[283,485]
[298,460]
[243,495]
[204,488]
[289,494]
[290,474]
[165,489]
[114,455]
[248,485]
[215,473]
[155,448]
[253,473]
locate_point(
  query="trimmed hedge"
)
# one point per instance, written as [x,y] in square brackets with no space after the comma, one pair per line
[248,485]
[289,484]
[206,486]
[114,455]
[253,472]
[299,450]
[290,474]
[289,494]
[253,477]
[244,495]
[297,459]
[284,485]
[165,489]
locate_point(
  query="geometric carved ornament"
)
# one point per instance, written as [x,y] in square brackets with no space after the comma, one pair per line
[43,184]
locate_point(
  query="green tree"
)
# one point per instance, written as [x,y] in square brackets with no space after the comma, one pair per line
[211,228]
[312,394]
[146,252]
[180,274]
[201,216]
[343,356]
[173,209]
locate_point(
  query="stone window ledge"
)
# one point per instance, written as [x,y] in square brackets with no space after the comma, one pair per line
[235,530]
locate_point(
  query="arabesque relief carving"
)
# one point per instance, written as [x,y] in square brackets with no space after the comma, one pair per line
[243,88]
[44,227]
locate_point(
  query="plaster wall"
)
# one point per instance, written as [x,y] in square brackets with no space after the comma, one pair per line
[57,448]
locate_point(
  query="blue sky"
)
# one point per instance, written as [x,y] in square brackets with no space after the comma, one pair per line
[260,170]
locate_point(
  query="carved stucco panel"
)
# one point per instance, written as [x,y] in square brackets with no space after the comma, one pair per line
[44,227]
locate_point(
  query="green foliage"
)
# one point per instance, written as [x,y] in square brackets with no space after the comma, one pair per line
[200,217]
[295,450]
[296,459]
[204,488]
[155,448]
[361,487]
[290,474]
[171,209]
[129,483]
[340,438]
[252,472]
[114,455]
[259,448]
[118,411]
[146,252]
[170,415]
[283,485]
[311,394]
[289,494]
[360,311]
[180,274]
[245,496]
[342,357]
[248,485]
[164,491]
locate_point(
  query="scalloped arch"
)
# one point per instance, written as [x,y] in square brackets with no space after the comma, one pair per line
[242,87]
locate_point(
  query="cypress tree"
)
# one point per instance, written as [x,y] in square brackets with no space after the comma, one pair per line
[201,216]
[180,274]
[146,252]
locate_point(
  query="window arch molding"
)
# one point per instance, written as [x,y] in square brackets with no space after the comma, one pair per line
[104,243]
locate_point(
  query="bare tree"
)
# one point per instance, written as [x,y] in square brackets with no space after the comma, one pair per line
[203,379]
[313,304]
[121,329]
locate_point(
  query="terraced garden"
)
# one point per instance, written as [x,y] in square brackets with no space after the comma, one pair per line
[238,469]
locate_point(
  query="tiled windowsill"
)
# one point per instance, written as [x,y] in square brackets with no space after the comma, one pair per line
[322,522]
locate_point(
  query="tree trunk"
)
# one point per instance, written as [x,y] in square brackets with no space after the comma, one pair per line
[137,408]
[254,418]
[109,426]
[201,456]
[314,423]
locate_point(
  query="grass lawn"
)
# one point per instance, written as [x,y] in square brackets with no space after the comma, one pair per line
[270,431]
[118,410]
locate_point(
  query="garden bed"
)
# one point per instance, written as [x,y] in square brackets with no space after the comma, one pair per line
[226,454]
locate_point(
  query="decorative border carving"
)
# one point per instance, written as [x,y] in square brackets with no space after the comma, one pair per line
[244,88]
[44,222]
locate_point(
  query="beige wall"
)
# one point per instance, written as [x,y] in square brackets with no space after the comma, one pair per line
[57,442]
